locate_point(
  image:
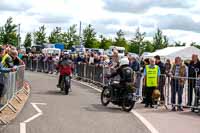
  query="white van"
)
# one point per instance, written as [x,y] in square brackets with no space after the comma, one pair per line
[100,51]
[121,50]
[51,51]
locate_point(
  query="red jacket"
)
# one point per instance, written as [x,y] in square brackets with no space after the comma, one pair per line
[65,70]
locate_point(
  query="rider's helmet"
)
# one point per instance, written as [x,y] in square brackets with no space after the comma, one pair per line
[156,94]
[66,55]
[124,61]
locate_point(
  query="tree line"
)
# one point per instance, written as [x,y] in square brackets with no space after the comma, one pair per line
[138,44]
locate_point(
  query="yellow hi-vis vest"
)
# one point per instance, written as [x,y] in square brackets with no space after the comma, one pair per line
[3,61]
[151,76]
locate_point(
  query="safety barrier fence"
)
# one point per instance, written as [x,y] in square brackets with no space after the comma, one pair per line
[11,84]
[40,64]
[172,92]
[177,91]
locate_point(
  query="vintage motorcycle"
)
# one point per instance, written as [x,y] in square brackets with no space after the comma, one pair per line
[124,97]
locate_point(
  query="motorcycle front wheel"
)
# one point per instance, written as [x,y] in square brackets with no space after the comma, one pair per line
[105,96]
[67,86]
[127,104]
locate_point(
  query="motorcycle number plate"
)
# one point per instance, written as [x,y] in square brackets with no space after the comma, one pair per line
[66,78]
[134,98]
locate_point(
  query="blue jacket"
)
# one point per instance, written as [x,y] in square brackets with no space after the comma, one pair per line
[2,75]
[3,69]
[135,66]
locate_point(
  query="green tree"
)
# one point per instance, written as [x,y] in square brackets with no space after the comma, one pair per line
[159,40]
[8,33]
[1,35]
[165,41]
[89,37]
[120,40]
[40,35]
[28,40]
[148,46]
[178,44]
[70,37]
[55,36]
[136,45]
[105,43]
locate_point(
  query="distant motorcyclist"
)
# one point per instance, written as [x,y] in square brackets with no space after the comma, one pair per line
[65,67]
[125,72]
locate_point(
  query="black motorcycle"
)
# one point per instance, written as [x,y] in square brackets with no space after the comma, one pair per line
[123,97]
[65,84]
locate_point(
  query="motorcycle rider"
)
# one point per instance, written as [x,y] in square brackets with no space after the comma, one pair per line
[126,75]
[65,67]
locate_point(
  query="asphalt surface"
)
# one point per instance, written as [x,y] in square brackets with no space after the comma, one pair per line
[80,112]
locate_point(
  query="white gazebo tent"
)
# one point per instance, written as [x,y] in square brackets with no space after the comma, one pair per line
[185,52]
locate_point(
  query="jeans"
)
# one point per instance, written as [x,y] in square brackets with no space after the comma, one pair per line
[176,88]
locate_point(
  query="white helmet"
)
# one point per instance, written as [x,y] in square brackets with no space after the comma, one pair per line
[124,61]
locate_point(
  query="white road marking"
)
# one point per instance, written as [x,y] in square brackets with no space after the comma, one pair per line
[23,124]
[36,107]
[22,127]
[145,122]
[140,117]
[33,117]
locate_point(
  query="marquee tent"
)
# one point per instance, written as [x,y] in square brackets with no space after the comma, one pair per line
[172,52]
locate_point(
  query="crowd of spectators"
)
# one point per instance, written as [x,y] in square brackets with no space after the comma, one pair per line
[170,68]
[9,62]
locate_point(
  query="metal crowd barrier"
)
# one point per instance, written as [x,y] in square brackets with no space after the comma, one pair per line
[183,91]
[11,84]
[188,93]
[88,72]
[39,64]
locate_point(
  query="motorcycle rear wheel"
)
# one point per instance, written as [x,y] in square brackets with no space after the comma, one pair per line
[127,105]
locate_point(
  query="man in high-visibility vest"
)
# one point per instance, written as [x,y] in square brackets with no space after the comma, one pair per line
[6,59]
[3,70]
[151,80]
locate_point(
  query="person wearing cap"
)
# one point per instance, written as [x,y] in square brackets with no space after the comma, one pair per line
[5,58]
[134,64]
[179,72]
[193,72]
[161,85]
[151,80]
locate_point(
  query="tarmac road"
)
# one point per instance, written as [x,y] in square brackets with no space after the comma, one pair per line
[79,112]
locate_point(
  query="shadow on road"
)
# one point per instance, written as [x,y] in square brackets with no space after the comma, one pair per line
[50,92]
[101,108]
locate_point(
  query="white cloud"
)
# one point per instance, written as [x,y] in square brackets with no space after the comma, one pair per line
[180,20]
[14,5]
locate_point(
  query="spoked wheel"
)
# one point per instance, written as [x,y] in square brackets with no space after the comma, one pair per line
[127,104]
[105,96]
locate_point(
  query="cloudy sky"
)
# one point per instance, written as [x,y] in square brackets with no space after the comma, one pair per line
[179,19]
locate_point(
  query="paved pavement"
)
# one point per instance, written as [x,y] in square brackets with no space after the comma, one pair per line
[166,121]
[80,112]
